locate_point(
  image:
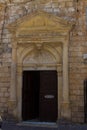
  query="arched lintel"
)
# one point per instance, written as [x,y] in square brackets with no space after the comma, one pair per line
[26,51]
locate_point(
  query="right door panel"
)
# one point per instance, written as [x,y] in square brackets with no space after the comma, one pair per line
[48,96]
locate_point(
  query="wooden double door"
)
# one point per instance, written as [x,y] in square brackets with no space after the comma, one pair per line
[39,96]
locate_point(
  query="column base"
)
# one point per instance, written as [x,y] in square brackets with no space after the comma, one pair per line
[66,111]
[12,108]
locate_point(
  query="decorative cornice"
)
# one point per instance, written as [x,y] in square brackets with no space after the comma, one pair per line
[49,20]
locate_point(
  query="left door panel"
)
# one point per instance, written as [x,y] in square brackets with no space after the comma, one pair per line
[30,95]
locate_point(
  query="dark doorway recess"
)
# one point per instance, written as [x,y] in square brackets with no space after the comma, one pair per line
[39,96]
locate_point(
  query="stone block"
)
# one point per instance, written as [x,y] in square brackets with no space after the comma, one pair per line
[69,4]
[1,94]
[6,94]
[3,89]
[81,109]
[3,99]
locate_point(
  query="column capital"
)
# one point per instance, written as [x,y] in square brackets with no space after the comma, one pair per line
[14,44]
[59,68]
[66,40]
[19,70]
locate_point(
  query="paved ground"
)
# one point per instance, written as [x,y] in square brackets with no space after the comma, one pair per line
[13,126]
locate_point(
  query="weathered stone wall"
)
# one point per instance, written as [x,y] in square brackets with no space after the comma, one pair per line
[71,10]
[77,68]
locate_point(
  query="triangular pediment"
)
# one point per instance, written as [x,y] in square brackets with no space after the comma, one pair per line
[39,21]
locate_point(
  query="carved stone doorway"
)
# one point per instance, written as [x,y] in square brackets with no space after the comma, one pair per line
[40,45]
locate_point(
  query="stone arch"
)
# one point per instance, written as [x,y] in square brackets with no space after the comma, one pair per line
[27,51]
[39,57]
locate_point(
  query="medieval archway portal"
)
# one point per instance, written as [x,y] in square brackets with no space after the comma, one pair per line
[40,43]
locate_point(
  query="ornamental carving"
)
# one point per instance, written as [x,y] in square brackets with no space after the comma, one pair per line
[39,57]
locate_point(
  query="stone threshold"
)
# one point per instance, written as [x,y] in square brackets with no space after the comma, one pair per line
[38,124]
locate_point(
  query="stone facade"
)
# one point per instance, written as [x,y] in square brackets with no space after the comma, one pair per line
[72,11]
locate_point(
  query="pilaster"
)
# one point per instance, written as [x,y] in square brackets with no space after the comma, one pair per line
[13,97]
[66,111]
[59,91]
[19,91]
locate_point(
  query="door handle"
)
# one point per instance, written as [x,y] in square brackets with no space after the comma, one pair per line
[49,96]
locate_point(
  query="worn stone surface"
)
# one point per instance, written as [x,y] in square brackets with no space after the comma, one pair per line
[70,10]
